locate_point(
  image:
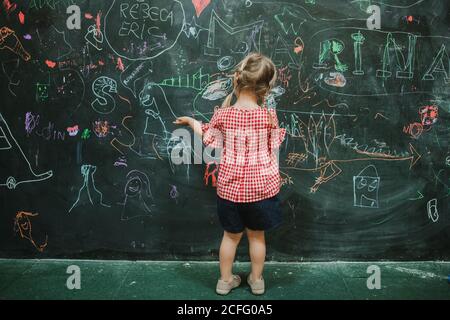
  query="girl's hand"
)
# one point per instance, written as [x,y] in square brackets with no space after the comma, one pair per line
[183,121]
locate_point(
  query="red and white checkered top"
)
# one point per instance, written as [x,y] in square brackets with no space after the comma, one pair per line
[250,139]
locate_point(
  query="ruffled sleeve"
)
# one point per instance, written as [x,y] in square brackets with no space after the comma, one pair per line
[277,134]
[212,133]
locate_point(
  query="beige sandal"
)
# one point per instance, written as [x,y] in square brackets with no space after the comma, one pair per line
[224,287]
[258,286]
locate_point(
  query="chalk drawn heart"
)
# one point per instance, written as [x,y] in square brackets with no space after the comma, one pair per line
[200,5]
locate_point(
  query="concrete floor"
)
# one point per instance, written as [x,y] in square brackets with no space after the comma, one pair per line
[46,279]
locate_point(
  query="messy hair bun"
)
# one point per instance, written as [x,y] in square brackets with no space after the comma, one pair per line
[256,73]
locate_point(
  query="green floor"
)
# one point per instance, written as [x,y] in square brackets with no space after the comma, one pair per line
[46,279]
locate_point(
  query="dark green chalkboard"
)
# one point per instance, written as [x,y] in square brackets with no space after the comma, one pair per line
[86,133]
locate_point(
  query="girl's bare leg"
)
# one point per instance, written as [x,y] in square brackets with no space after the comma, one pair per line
[227,253]
[257,246]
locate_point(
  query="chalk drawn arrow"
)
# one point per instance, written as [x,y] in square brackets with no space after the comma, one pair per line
[330,169]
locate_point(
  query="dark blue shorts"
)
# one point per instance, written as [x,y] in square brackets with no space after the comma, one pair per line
[262,215]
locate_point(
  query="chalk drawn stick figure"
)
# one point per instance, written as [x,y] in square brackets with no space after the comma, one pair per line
[137,194]
[11,152]
[23,226]
[88,188]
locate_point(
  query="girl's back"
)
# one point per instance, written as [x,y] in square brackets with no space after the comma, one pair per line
[248,166]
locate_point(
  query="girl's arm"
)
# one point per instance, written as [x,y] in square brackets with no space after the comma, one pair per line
[191,122]
[209,132]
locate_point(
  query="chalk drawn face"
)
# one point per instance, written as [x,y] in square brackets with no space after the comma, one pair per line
[137,184]
[365,188]
[147,100]
[42,91]
[23,224]
[134,187]
[85,169]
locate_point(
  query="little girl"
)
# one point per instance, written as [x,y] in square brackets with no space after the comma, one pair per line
[248,179]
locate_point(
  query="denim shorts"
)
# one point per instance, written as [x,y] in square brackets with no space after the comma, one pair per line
[261,215]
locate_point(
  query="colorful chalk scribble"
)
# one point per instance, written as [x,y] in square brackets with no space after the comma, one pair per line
[10,41]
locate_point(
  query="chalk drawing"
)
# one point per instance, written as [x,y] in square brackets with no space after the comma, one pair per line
[247,36]
[211,171]
[102,87]
[10,41]
[197,81]
[439,65]
[23,226]
[42,90]
[135,72]
[330,51]
[10,69]
[290,54]
[225,63]
[318,136]
[289,21]
[432,210]
[365,188]
[88,188]
[200,5]
[358,42]
[218,89]
[335,79]
[146,30]
[192,29]
[94,37]
[406,66]
[138,195]
[8,145]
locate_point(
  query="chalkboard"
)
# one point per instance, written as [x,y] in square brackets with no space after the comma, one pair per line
[86,133]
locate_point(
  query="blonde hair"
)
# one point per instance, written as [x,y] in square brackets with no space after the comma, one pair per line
[257,73]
